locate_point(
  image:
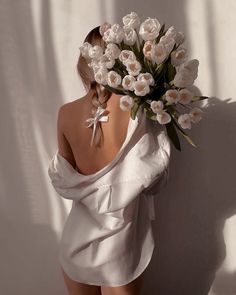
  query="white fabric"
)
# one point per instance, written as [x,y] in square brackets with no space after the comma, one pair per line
[107,238]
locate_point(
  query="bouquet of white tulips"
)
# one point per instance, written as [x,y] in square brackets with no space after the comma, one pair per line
[147,64]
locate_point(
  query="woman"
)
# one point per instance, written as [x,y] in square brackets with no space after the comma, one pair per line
[108,172]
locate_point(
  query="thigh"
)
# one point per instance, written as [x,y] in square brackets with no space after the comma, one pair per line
[133,288]
[76,288]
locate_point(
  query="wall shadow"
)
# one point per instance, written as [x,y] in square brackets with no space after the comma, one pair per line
[29,103]
[225,284]
[32,260]
[191,213]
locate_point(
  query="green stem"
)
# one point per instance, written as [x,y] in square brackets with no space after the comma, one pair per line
[138,41]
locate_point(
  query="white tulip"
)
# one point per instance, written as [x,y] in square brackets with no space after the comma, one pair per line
[126,103]
[116,33]
[183,79]
[131,20]
[185,121]
[133,67]
[112,51]
[128,82]
[103,28]
[84,49]
[147,48]
[157,106]
[103,62]
[168,42]
[113,79]
[146,77]
[171,32]
[141,88]
[185,96]
[126,55]
[192,67]
[178,56]
[158,53]
[106,61]
[95,52]
[107,37]
[186,73]
[195,115]
[172,96]
[95,65]
[130,36]
[177,36]
[163,117]
[149,29]
[101,75]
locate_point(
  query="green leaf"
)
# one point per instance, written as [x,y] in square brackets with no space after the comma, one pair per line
[170,128]
[119,68]
[161,33]
[134,110]
[170,73]
[172,109]
[162,30]
[159,71]
[197,98]
[115,90]
[157,92]
[149,113]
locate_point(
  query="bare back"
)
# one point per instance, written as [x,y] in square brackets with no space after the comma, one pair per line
[92,159]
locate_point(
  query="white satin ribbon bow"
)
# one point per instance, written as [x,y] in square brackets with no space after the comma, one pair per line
[94,120]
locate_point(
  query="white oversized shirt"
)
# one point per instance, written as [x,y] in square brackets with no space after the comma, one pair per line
[107,239]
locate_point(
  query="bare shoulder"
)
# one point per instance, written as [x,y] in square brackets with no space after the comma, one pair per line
[68,128]
[68,110]
[71,105]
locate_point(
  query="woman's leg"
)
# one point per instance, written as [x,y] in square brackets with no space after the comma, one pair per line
[76,288]
[133,288]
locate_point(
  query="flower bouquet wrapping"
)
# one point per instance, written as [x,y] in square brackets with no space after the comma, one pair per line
[147,65]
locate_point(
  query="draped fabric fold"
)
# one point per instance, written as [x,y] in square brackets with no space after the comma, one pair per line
[113,208]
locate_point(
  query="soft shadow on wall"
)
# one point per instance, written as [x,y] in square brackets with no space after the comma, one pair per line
[29,98]
[192,210]
[200,196]
[223,166]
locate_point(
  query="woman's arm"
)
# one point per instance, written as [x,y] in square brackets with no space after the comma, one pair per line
[63,145]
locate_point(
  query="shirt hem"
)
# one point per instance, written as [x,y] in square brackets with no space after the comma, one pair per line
[105,283]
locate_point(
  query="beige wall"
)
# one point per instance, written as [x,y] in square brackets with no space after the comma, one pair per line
[195,226]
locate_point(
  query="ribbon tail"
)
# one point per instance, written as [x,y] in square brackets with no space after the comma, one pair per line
[93,134]
[103,119]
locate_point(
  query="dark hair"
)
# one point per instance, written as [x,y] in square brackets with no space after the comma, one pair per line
[86,73]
